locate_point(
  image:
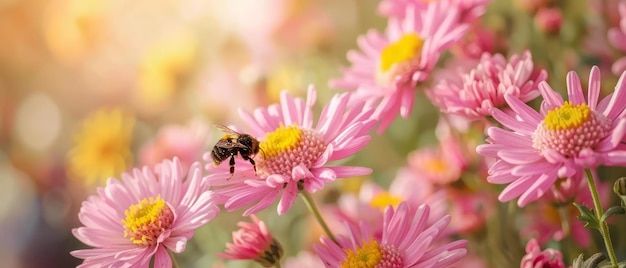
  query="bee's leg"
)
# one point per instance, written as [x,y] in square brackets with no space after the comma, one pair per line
[253,164]
[232,165]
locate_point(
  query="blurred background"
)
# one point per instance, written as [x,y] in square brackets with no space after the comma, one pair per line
[93,88]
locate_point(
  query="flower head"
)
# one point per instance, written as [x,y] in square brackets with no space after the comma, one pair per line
[559,141]
[617,37]
[144,215]
[469,10]
[254,242]
[473,93]
[294,154]
[549,258]
[102,146]
[407,241]
[392,63]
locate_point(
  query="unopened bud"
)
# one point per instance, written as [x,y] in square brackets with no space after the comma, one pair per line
[620,187]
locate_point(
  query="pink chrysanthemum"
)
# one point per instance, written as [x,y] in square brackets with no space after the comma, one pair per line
[473,93]
[253,242]
[617,37]
[392,63]
[144,215]
[559,141]
[469,10]
[549,258]
[294,154]
[407,241]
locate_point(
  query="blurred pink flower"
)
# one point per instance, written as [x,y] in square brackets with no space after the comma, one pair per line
[294,153]
[477,41]
[549,20]
[145,214]
[549,258]
[439,165]
[372,200]
[474,92]
[392,63]
[184,142]
[617,38]
[253,242]
[304,259]
[559,141]
[469,10]
[469,209]
[407,241]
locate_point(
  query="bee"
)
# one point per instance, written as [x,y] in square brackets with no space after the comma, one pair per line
[234,143]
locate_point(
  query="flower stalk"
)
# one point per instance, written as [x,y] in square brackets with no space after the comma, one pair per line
[310,203]
[603,226]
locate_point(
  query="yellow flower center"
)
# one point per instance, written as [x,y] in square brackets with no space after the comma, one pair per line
[385,199]
[567,116]
[288,147]
[403,50]
[146,220]
[281,140]
[367,255]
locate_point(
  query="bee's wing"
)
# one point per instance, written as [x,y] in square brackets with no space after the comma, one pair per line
[227,144]
[226,129]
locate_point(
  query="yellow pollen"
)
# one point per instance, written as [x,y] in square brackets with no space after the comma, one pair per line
[281,140]
[567,116]
[385,199]
[401,51]
[144,213]
[366,256]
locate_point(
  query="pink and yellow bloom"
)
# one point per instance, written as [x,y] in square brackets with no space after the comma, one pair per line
[548,258]
[475,91]
[391,64]
[407,241]
[294,154]
[253,242]
[559,141]
[144,214]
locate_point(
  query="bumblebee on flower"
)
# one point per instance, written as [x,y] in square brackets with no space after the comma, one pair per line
[294,152]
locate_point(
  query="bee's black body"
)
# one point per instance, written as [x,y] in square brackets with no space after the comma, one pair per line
[232,144]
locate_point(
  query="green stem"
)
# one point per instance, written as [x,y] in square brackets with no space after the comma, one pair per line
[604,228]
[310,203]
[174,262]
[563,213]
[277,264]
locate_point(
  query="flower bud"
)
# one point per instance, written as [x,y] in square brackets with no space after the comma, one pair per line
[619,187]
[254,242]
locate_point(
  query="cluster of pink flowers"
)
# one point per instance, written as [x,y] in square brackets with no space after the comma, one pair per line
[436,197]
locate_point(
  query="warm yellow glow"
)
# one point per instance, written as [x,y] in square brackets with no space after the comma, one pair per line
[101,147]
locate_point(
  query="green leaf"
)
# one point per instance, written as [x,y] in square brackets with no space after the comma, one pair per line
[612,211]
[587,216]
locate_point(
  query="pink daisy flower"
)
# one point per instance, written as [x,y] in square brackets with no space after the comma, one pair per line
[617,38]
[294,154]
[549,258]
[407,241]
[253,242]
[473,93]
[145,214]
[560,141]
[470,10]
[392,63]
